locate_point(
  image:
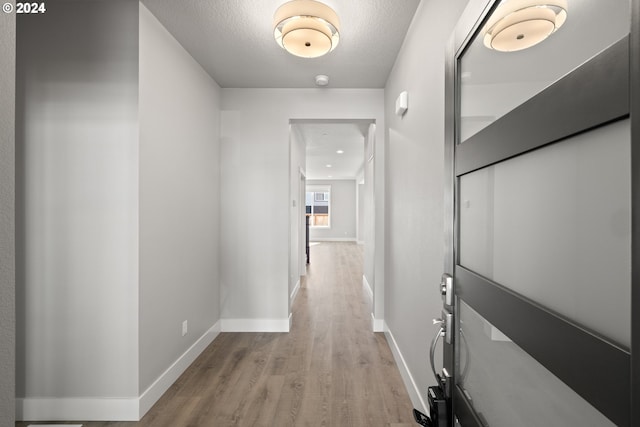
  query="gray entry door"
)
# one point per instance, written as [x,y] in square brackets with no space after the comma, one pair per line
[540,217]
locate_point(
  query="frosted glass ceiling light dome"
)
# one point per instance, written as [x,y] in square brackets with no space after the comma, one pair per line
[306,28]
[520,24]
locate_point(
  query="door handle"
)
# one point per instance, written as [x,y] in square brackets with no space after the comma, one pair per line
[434,343]
[446,326]
[445,330]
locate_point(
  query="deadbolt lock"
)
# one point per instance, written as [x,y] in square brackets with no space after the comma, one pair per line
[446,288]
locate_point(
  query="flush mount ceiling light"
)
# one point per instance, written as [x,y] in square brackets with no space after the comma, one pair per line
[306,28]
[520,24]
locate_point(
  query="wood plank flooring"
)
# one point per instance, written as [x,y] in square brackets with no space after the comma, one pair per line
[330,370]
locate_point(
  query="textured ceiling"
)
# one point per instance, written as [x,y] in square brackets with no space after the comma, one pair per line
[233,41]
[323,140]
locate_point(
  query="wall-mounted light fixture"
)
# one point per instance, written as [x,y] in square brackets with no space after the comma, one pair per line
[520,24]
[306,28]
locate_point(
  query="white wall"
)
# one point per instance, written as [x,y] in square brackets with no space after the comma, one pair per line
[373,242]
[360,216]
[342,211]
[179,199]
[297,232]
[415,181]
[255,170]
[77,266]
[7,219]
[118,190]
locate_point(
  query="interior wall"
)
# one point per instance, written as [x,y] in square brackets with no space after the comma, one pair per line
[255,192]
[342,208]
[415,182]
[360,218]
[297,233]
[179,199]
[7,219]
[77,177]
[369,224]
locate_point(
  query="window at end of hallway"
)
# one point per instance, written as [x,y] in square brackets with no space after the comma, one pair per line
[318,202]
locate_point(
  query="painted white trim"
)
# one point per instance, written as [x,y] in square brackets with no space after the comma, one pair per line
[332,239]
[377,324]
[367,287]
[95,409]
[113,409]
[55,425]
[255,325]
[407,378]
[155,391]
[294,293]
[360,242]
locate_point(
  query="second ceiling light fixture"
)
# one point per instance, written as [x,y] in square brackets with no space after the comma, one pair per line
[520,24]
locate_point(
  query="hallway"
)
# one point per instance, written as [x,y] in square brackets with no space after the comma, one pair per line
[330,370]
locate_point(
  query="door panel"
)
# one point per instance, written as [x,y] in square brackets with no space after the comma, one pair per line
[581,359]
[504,383]
[634,66]
[507,78]
[540,222]
[554,225]
[571,105]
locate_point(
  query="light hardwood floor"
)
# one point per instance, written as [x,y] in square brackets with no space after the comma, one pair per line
[330,370]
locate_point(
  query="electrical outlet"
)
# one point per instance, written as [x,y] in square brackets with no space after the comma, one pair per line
[185,328]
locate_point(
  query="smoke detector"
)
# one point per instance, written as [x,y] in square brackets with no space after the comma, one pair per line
[322,80]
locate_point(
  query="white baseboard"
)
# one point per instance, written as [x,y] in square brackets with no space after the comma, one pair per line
[255,325]
[407,378]
[55,425]
[332,239]
[294,293]
[112,409]
[95,409]
[377,324]
[155,391]
[367,286]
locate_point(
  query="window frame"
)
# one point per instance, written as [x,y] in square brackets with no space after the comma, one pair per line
[325,191]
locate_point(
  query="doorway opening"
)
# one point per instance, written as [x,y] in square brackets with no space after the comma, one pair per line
[331,193]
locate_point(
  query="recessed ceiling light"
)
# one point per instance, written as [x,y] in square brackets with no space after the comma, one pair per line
[328,166]
[339,151]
